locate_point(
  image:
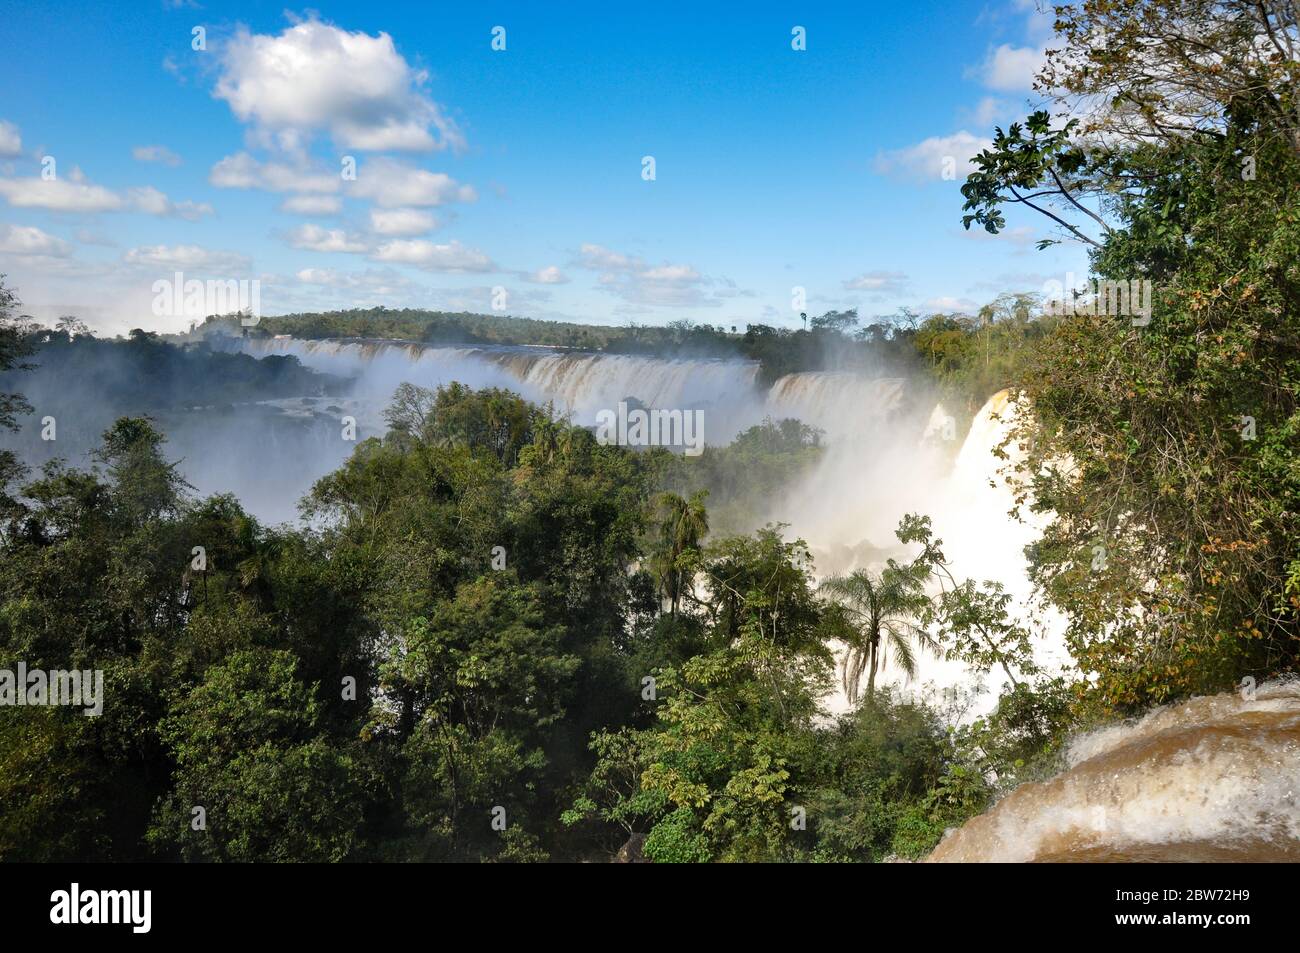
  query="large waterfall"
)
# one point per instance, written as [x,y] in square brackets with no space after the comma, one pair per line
[886,455]
[581,383]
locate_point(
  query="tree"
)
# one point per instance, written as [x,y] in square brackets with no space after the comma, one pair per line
[876,620]
[249,751]
[1030,165]
[1154,71]
[972,623]
[14,346]
[147,485]
[683,523]
[1163,452]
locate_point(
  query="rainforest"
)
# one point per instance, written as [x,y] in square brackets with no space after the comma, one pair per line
[1009,579]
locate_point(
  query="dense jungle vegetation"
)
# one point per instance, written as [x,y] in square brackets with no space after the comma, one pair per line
[497,640]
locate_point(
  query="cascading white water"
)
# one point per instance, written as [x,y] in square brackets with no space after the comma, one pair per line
[1208,779]
[1214,778]
[579,383]
[841,403]
[849,507]
[880,464]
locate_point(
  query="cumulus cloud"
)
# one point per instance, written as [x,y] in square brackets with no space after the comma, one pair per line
[187,257]
[378,281]
[242,171]
[155,154]
[991,110]
[152,202]
[431,256]
[316,238]
[1011,69]
[91,237]
[631,279]
[11,143]
[74,194]
[317,77]
[401,221]
[420,253]
[28,240]
[392,184]
[947,303]
[550,275]
[927,160]
[59,195]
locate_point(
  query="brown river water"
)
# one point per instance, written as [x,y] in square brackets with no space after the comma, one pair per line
[1215,778]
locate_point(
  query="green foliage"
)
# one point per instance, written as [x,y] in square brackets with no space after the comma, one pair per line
[1172,449]
[746,477]
[676,840]
[524,688]
[248,749]
[478,688]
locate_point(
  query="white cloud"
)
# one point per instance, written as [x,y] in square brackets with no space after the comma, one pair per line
[550,275]
[379,281]
[156,154]
[315,238]
[312,204]
[633,280]
[878,282]
[74,194]
[183,257]
[599,258]
[401,221]
[990,111]
[60,195]
[925,161]
[28,240]
[315,76]
[392,184]
[671,273]
[152,202]
[432,257]
[242,171]
[1040,20]
[1011,69]
[89,237]
[11,143]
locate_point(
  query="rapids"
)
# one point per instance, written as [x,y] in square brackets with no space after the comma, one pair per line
[1214,778]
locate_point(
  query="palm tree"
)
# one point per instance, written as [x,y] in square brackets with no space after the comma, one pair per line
[683,524]
[875,620]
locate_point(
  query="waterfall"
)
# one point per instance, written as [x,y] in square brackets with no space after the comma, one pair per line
[886,466]
[882,460]
[1214,778]
[835,401]
[581,383]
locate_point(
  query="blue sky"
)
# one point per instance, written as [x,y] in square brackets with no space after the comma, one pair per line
[481,169]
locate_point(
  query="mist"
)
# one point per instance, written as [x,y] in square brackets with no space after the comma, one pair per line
[890,447]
